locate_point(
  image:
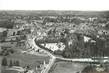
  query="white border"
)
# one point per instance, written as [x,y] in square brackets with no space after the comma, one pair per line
[83,5]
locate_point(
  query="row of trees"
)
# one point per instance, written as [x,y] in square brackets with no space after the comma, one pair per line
[11,63]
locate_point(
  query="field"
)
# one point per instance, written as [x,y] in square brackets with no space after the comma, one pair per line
[68,67]
[26,59]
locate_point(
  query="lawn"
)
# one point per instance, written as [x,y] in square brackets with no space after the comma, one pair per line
[27,59]
[68,67]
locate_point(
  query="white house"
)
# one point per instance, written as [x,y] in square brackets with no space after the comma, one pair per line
[54,46]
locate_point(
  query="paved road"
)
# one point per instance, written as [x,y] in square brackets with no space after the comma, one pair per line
[48,67]
[52,57]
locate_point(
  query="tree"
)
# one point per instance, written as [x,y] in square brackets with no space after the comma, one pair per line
[4,61]
[17,63]
[11,63]
[4,34]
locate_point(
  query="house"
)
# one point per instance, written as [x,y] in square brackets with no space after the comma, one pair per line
[2,29]
[54,46]
[41,66]
[49,24]
[12,32]
[31,71]
[10,39]
[86,39]
[103,32]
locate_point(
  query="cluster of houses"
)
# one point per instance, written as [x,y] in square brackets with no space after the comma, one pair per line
[54,46]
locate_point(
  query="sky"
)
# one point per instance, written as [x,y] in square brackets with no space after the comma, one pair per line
[83,5]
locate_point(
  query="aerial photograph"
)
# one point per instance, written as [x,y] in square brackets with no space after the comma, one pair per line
[52,41]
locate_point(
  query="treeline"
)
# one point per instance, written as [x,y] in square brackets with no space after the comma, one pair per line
[10,63]
[61,19]
[77,48]
[7,24]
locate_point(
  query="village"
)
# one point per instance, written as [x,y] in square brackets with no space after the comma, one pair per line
[63,36]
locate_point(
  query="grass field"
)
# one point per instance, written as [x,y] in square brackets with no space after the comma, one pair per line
[27,59]
[68,67]
[24,60]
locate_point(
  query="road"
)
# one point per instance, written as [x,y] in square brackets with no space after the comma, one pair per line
[48,67]
[51,62]
[52,57]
